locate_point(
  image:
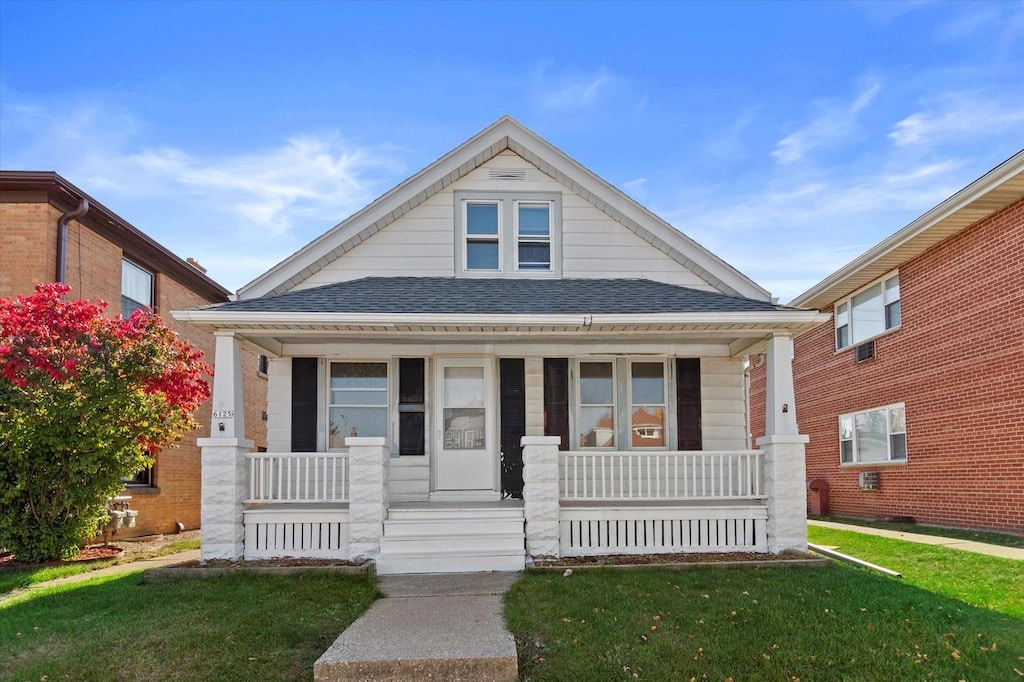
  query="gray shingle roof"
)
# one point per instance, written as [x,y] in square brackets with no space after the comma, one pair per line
[522,296]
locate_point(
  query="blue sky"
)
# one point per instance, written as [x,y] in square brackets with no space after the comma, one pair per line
[785,137]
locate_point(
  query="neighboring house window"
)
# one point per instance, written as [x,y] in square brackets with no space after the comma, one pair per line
[508,233]
[872,436]
[143,478]
[647,404]
[637,420]
[262,364]
[597,405]
[868,313]
[136,288]
[483,235]
[357,401]
[533,235]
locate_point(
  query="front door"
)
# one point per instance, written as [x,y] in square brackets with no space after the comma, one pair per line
[465,448]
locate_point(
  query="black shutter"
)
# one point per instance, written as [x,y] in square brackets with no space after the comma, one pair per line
[304,371]
[512,415]
[411,406]
[556,399]
[688,403]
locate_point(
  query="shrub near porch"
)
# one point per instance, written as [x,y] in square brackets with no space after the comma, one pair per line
[743,624]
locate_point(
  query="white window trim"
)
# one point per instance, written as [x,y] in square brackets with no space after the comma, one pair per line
[152,284]
[663,404]
[468,238]
[508,252]
[533,239]
[390,391]
[580,405]
[889,461]
[848,302]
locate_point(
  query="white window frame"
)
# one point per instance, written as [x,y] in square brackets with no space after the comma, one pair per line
[889,433]
[534,239]
[663,404]
[480,238]
[847,304]
[388,393]
[127,263]
[580,405]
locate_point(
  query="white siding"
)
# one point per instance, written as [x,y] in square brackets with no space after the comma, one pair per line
[409,479]
[722,404]
[279,405]
[421,243]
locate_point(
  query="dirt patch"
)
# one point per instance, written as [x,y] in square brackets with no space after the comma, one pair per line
[644,559]
[100,553]
[274,563]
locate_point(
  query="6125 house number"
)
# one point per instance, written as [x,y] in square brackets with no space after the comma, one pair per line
[223,414]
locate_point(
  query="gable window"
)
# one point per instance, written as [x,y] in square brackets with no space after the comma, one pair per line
[868,313]
[136,288]
[507,234]
[357,401]
[533,235]
[873,436]
[483,235]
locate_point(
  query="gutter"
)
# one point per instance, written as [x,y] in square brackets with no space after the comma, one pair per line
[62,237]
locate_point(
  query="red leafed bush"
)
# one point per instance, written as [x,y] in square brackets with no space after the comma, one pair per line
[85,401]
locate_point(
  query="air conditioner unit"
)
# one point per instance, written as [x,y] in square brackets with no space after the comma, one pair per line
[869,480]
[864,351]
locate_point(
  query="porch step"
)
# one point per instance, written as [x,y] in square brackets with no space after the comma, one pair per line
[452,539]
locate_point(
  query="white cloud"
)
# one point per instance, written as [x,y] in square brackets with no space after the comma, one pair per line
[834,121]
[958,116]
[574,92]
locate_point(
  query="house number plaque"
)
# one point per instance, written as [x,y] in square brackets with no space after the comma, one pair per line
[223,414]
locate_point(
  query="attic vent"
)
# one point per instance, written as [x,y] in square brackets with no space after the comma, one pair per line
[506,174]
[869,480]
[865,351]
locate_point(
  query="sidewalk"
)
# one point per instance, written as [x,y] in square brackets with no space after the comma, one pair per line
[116,569]
[440,627]
[965,545]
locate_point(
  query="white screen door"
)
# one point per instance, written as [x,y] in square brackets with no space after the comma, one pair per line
[465,448]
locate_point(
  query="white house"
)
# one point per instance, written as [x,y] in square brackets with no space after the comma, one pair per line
[503,357]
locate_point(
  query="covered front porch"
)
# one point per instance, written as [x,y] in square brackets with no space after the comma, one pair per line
[477,444]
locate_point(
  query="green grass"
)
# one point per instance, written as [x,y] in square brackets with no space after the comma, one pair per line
[834,623]
[978,579]
[16,578]
[240,627]
[990,537]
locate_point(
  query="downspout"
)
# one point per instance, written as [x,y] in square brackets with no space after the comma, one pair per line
[62,237]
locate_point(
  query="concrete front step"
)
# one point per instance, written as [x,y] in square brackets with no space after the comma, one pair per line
[452,539]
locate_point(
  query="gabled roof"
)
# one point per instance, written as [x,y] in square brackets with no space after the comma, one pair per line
[505,133]
[988,194]
[502,296]
[135,243]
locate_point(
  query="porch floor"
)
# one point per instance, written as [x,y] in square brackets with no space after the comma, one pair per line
[446,627]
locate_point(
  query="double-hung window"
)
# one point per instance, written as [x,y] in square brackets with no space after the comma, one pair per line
[136,288]
[533,235]
[358,401]
[624,414]
[868,313]
[873,436]
[483,235]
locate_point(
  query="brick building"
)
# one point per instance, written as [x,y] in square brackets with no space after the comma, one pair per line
[106,258]
[913,397]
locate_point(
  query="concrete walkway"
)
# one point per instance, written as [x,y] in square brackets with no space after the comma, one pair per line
[965,545]
[436,627]
[116,569]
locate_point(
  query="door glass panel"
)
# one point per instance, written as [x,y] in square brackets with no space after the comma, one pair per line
[464,386]
[464,428]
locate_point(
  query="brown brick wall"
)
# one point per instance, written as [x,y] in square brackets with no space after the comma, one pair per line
[957,362]
[28,236]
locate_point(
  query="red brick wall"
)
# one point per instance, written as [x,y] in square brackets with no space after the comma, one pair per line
[28,236]
[957,362]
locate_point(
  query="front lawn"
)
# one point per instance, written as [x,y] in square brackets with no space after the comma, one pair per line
[241,627]
[979,580]
[989,537]
[833,623]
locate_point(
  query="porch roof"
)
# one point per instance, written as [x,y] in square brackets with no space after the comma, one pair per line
[429,309]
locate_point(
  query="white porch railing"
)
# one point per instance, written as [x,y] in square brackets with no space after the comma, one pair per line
[298,477]
[668,476]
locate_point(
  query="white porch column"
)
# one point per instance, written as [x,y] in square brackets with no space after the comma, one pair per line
[225,474]
[783,447]
[540,494]
[368,486]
